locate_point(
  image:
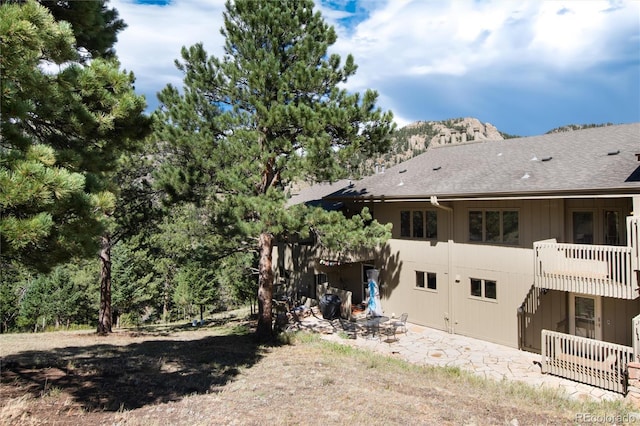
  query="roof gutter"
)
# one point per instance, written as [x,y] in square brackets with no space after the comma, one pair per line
[487,197]
[434,202]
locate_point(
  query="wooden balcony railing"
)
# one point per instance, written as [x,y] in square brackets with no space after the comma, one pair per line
[590,269]
[584,360]
[633,241]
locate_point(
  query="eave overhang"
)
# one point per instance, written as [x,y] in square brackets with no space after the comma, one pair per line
[532,195]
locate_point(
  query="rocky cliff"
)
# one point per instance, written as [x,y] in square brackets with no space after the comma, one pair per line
[415,138]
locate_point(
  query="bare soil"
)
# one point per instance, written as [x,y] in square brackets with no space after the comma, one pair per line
[218,374]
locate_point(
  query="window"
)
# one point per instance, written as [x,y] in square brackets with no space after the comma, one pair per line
[583,227]
[494,226]
[612,228]
[426,280]
[321,278]
[419,224]
[432,224]
[485,289]
[405,224]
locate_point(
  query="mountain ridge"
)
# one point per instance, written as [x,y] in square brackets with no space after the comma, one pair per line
[415,138]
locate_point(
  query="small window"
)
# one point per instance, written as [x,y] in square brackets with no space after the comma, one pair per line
[426,280]
[476,287]
[486,289]
[431,281]
[490,289]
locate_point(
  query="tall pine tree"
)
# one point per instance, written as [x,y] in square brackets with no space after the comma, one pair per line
[270,112]
[65,125]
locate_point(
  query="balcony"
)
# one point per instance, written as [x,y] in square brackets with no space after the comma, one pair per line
[610,271]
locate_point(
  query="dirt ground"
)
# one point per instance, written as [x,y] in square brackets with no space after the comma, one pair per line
[217,374]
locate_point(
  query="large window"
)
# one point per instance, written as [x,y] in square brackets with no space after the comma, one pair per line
[485,289]
[426,280]
[419,224]
[494,226]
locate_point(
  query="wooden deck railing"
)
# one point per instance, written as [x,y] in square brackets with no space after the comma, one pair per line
[633,241]
[594,362]
[589,269]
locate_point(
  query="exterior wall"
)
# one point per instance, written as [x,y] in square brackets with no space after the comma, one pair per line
[598,206]
[451,307]
[398,277]
[293,268]
[455,260]
[492,320]
[543,310]
[616,320]
[345,277]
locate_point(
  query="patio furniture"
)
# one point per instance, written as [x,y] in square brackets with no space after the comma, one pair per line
[402,322]
[373,325]
[389,332]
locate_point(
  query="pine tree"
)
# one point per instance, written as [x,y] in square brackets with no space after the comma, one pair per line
[65,126]
[270,112]
[95,26]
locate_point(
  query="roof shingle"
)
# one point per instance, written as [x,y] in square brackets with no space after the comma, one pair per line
[596,160]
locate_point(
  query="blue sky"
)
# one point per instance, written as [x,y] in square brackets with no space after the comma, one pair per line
[526,67]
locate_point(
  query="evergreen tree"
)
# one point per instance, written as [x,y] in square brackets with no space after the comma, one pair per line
[62,131]
[135,284]
[270,112]
[94,25]
[65,125]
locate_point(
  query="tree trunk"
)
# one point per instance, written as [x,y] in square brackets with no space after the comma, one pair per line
[264,331]
[104,316]
[165,302]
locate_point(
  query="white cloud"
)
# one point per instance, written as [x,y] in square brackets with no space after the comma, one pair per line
[434,60]
[155,35]
[461,37]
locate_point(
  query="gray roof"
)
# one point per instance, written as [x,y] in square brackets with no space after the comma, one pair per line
[595,161]
[313,195]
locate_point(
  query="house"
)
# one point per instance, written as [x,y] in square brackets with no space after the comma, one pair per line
[500,240]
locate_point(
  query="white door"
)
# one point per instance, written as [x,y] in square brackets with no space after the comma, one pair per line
[585,316]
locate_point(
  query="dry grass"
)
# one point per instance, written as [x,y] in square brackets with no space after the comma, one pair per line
[217,374]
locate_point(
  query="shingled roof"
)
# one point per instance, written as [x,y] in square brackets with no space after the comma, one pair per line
[595,161]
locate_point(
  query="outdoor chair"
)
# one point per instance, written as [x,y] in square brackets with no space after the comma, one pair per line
[388,331]
[401,324]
